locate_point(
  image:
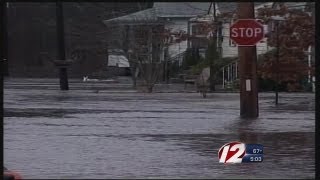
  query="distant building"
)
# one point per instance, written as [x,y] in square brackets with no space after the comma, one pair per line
[168,15]
[177,16]
[186,17]
[228,48]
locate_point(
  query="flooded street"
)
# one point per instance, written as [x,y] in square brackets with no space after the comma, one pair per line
[100,130]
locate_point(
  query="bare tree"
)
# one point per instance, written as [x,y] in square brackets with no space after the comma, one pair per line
[144,55]
[147,46]
[144,41]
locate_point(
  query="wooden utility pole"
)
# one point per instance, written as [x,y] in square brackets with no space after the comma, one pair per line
[317,88]
[2,44]
[214,40]
[313,58]
[61,62]
[166,72]
[248,69]
[5,69]
[277,62]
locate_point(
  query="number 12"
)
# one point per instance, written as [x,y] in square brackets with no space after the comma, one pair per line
[236,157]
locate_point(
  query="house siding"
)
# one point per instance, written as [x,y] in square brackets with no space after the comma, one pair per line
[230,49]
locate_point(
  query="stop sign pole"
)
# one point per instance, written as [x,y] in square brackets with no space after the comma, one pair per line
[246,32]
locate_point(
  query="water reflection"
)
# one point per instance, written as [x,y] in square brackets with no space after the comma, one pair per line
[245,135]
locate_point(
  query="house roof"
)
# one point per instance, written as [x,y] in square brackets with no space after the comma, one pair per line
[226,7]
[162,10]
[181,9]
[144,17]
[294,5]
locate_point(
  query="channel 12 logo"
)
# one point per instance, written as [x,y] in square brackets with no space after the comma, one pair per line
[237,152]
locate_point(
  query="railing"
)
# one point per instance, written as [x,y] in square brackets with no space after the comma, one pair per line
[229,75]
[175,64]
[177,57]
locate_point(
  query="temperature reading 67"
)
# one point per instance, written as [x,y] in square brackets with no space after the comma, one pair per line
[257,151]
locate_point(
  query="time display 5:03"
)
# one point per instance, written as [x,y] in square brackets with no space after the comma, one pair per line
[253,158]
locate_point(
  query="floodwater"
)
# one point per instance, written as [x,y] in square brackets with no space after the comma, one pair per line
[118,133]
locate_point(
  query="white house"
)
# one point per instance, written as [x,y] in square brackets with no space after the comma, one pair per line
[176,16]
[173,15]
[179,17]
[230,49]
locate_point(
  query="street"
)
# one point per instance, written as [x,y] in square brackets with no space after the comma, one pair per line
[99,130]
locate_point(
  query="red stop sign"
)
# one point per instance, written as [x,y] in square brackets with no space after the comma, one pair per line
[246,32]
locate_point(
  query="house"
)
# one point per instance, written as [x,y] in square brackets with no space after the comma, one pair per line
[229,49]
[185,17]
[144,29]
[173,16]
[177,15]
